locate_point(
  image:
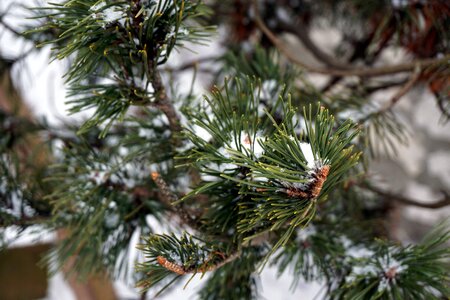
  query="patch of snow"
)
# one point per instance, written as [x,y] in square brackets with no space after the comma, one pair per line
[308,154]
[305,233]
[98,6]
[268,89]
[248,144]
[202,133]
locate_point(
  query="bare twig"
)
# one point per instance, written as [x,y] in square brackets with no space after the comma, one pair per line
[362,72]
[445,201]
[167,197]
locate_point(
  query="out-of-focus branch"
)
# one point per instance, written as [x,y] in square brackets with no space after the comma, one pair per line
[303,36]
[402,91]
[191,64]
[445,201]
[361,72]
[406,87]
[8,27]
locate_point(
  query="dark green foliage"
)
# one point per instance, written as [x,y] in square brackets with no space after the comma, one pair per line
[101,200]
[121,43]
[264,169]
[262,177]
[395,272]
[188,253]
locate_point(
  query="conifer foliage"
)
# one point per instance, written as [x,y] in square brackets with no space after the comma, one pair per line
[262,169]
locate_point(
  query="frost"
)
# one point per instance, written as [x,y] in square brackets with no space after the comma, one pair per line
[216,168]
[384,285]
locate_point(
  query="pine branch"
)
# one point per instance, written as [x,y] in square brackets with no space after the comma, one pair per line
[180,270]
[361,72]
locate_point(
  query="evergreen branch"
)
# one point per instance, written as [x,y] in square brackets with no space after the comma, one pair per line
[180,270]
[168,256]
[361,72]
[445,201]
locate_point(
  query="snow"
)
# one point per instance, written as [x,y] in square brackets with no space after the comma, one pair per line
[308,154]
[98,6]
[109,15]
[202,133]
[248,143]
[305,233]
[268,88]
[388,262]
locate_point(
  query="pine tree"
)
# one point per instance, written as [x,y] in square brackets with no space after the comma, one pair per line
[264,168]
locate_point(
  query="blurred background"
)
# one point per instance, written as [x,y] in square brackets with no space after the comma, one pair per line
[32,87]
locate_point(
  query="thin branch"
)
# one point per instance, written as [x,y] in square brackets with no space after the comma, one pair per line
[167,197]
[191,64]
[445,201]
[164,104]
[382,86]
[302,34]
[362,72]
[400,93]
[405,88]
[8,27]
